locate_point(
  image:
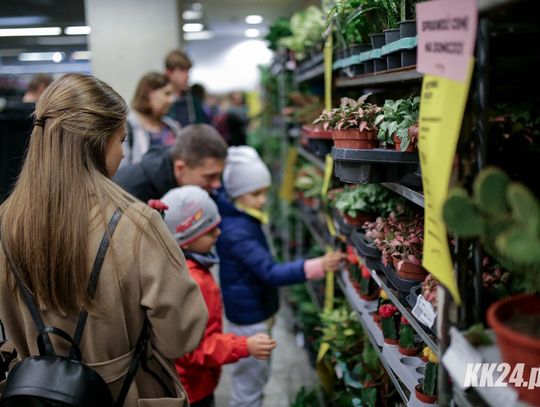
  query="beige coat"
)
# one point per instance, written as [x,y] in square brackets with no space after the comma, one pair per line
[145,282]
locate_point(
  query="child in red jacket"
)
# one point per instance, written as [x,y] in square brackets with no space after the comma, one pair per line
[193,219]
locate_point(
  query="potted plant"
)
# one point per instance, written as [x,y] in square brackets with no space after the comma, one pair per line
[426,391]
[398,123]
[307,29]
[361,203]
[309,183]
[389,322]
[352,123]
[368,288]
[407,343]
[505,217]
[383,300]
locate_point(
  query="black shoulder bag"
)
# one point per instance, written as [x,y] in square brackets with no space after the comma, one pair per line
[54,380]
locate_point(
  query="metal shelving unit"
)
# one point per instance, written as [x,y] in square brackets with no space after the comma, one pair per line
[406,192]
[399,386]
[316,161]
[311,73]
[381,78]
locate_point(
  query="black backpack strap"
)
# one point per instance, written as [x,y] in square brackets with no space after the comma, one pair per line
[29,301]
[92,284]
[139,358]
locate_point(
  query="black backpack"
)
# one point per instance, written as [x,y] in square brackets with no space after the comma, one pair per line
[54,380]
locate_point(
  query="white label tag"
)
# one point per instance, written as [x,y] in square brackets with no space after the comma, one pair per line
[458,355]
[424,312]
[339,372]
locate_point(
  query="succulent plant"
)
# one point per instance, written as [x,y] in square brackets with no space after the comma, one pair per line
[505,216]
[406,334]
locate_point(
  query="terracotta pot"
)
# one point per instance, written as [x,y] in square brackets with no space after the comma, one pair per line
[517,347]
[409,351]
[424,398]
[391,341]
[359,220]
[355,139]
[412,272]
[316,132]
[397,146]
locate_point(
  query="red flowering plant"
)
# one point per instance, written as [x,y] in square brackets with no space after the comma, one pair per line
[159,206]
[369,290]
[389,321]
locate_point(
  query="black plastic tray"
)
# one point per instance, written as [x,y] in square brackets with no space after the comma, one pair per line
[320,147]
[358,237]
[397,282]
[344,228]
[376,165]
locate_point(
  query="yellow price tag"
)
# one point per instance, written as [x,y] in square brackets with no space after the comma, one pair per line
[439,129]
[328,73]
[286,191]
[330,225]
[328,172]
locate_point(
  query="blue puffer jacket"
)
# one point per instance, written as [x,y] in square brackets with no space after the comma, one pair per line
[248,273]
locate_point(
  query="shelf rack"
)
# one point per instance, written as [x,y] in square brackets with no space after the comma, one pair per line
[311,73]
[406,192]
[399,386]
[316,161]
[381,78]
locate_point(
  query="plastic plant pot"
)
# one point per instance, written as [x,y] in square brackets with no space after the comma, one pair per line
[391,35]
[407,28]
[377,40]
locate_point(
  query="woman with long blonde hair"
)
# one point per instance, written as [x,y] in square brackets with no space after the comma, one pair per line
[52,225]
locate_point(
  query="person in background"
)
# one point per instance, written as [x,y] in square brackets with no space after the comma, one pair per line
[147,124]
[233,122]
[249,275]
[196,158]
[193,218]
[187,108]
[52,226]
[36,87]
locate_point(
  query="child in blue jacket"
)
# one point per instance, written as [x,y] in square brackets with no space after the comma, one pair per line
[249,275]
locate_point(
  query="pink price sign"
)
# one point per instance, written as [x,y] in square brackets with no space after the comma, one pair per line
[446,37]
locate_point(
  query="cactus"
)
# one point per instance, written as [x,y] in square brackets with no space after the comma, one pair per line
[490,191]
[505,216]
[429,386]
[406,335]
[388,314]
[461,215]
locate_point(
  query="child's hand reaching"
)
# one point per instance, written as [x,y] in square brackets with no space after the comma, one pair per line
[330,261]
[318,267]
[260,345]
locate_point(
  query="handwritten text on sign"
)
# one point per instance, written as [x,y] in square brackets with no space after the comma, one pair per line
[446,37]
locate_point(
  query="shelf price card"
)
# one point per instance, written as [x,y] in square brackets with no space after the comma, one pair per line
[441,111]
[446,38]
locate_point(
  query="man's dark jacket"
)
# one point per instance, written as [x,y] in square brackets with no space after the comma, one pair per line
[151,178]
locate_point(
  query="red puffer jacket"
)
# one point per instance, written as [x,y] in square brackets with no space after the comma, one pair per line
[199,370]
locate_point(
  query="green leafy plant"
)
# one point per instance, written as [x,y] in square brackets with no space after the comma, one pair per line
[305,398]
[505,216]
[309,181]
[307,30]
[351,26]
[397,117]
[351,114]
[342,331]
[369,198]
[280,28]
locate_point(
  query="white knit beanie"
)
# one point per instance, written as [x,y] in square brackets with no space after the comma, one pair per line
[191,214]
[244,171]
